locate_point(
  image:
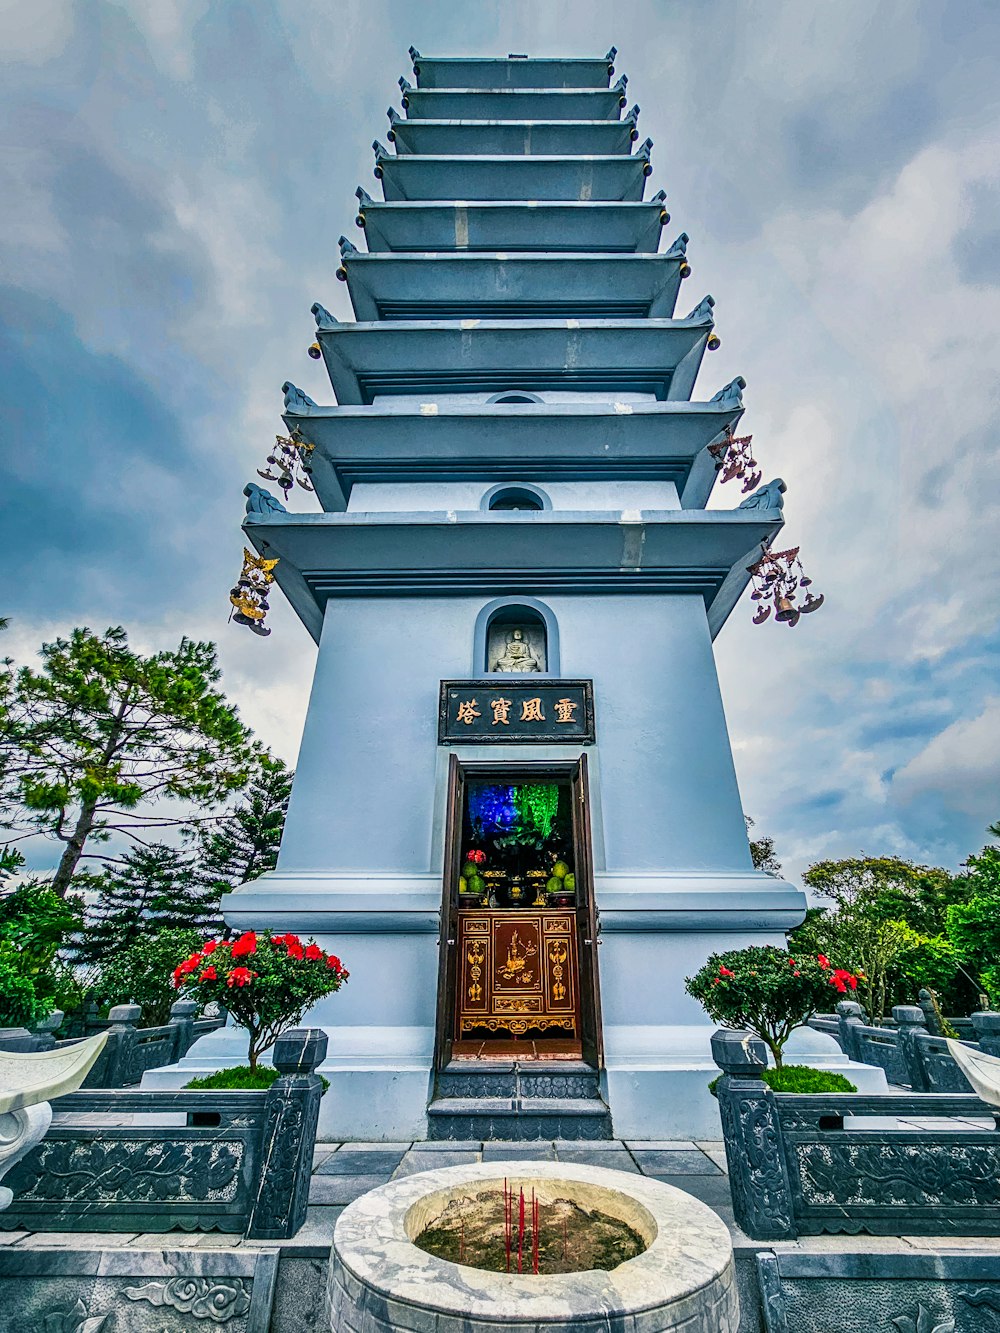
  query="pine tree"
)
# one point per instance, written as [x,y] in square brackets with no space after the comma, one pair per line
[151,889]
[245,842]
[102,743]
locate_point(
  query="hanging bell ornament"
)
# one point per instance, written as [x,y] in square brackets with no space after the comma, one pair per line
[315,351]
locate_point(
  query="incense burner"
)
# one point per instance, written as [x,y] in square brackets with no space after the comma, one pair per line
[379,1280]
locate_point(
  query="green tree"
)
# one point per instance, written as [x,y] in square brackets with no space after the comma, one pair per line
[974,924]
[101,736]
[762,851]
[34,924]
[244,843]
[150,890]
[138,972]
[886,914]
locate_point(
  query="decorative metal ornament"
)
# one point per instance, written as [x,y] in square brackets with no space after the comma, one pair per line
[249,597]
[290,458]
[734,459]
[778,578]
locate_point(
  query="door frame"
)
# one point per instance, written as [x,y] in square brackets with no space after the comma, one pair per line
[587,917]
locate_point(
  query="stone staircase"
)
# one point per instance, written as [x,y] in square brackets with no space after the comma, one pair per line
[514,1100]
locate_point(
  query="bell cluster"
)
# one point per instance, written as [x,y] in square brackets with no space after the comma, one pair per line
[249,596]
[734,459]
[290,461]
[778,580]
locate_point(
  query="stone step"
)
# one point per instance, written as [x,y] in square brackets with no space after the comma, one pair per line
[513,1118]
[489,1079]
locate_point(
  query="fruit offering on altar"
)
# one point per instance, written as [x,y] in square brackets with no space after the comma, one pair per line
[561,885]
[471,882]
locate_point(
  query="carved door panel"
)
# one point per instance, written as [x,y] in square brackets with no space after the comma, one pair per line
[518,972]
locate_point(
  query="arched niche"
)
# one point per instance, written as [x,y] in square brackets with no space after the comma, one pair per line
[516,629]
[519,497]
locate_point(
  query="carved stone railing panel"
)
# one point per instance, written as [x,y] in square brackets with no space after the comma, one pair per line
[797,1167]
[246,1173]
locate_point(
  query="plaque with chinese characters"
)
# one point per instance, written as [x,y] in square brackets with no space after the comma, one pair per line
[503,710]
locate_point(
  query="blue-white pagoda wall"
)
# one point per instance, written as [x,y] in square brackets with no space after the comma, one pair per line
[366,795]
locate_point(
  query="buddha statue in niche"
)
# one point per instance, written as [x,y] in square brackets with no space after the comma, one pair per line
[517,654]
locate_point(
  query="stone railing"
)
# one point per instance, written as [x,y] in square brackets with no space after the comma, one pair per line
[130,1049]
[798,1167]
[910,1055]
[240,1164]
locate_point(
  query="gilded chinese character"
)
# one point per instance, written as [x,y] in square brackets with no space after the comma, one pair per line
[565,708]
[531,711]
[501,711]
[468,712]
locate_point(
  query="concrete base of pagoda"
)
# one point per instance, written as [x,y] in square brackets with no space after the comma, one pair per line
[655,1081]
[657,930]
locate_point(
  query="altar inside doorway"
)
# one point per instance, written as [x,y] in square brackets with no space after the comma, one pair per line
[519,907]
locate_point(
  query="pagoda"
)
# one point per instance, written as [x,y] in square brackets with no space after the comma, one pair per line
[515,813]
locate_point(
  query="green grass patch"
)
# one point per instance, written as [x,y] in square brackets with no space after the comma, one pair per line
[241,1076]
[799,1078]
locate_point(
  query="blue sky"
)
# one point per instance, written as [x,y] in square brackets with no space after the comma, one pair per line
[175,175]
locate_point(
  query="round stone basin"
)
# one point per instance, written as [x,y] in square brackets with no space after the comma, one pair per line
[379,1281]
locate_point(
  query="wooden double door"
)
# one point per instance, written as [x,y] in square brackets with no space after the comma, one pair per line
[524,973]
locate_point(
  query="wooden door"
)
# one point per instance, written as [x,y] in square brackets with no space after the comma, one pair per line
[447,944]
[587,922]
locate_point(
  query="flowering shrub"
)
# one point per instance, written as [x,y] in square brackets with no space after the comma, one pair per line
[767,991]
[267,982]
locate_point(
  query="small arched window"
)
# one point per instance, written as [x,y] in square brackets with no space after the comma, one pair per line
[514,396]
[515,497]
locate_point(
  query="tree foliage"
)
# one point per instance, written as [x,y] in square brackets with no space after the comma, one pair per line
[138,972]
[767,991]
[762,851]
[887,923]
[100,736]
[974,924]
[151,889]
[244,843]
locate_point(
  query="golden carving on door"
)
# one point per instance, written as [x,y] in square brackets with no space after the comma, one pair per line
[519,971]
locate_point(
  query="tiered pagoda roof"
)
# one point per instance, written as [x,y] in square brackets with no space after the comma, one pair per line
[513,253]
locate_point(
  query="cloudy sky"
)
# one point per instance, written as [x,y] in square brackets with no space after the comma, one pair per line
[175,174]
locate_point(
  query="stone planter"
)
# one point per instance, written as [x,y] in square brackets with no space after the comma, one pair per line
[379,1281]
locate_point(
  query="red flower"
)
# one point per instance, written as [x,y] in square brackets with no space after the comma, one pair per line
[296,950]
[796,973]
[240,976]
[477,858]
[183,969]
[313,951]
[725,972]
[246,944]
[209,974]
[822,959]
[334,961]
[209,947]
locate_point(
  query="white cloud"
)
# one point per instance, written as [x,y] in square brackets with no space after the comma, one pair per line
[34,33]
[960,767]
